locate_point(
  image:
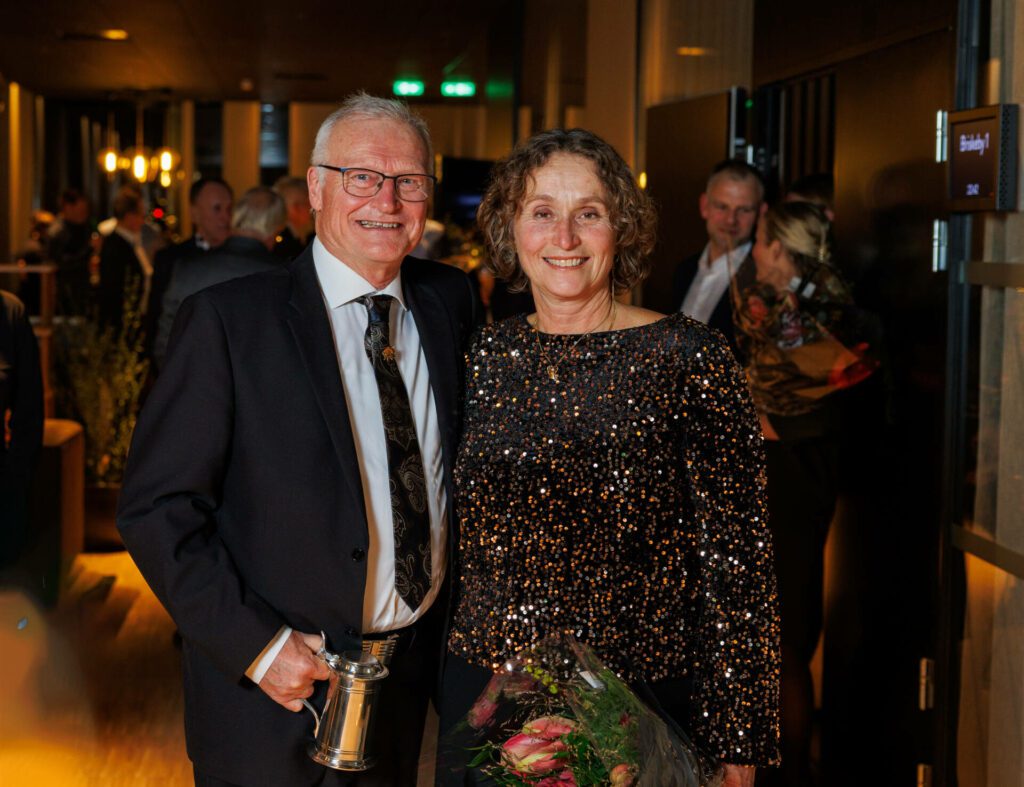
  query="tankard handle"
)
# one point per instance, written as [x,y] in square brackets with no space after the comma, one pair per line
[311,709]
[321,654]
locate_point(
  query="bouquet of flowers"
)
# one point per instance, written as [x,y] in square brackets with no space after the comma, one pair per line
[554,716]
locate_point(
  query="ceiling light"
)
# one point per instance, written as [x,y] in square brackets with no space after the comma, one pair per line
[694,51]
[114,34]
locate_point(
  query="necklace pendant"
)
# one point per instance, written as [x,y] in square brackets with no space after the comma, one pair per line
[553,373]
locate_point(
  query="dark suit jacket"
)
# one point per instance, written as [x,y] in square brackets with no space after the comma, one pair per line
[243,502]
[21,392]
[721,317]
[119,269]
[163,268]
[238,256]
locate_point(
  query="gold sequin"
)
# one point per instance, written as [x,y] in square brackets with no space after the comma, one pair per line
[623,502]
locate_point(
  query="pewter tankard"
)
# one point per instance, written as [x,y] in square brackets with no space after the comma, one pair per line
[343,729]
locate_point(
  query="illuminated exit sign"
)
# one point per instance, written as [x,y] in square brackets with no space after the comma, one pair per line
[407,87]
[460,89]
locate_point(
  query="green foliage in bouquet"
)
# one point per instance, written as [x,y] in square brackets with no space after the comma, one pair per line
[556,716]
[100,375]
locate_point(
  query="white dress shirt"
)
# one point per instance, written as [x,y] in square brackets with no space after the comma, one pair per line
[711,282]
[145,265]
[343,290]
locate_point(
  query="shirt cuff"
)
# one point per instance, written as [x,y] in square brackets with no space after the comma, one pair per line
[262,662]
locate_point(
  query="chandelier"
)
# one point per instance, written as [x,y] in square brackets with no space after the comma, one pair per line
[138,161]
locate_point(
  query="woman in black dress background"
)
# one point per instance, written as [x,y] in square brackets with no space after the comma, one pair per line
[610,481]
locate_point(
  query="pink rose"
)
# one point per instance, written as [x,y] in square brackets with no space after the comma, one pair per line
[529,754]
[622,775]
[549,727]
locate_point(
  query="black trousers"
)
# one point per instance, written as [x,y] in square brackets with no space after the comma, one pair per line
[401,711]
[803,483]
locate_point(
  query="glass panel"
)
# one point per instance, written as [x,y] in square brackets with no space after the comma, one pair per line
[990,739]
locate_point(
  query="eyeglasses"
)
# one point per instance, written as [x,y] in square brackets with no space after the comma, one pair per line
[411,187]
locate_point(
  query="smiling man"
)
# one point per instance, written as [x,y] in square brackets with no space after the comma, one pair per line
[730,206]
[290,474]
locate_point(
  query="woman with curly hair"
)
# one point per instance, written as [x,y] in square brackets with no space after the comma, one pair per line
[610,482]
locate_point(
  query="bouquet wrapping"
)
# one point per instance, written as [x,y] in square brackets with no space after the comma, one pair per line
[554,716]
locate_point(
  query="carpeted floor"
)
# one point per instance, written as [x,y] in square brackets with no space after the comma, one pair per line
[90,692]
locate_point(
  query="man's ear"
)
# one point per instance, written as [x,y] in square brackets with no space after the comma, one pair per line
[703,202]
[313,183]
[763,209]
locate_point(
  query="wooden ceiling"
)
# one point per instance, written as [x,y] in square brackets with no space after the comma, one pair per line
[290,50]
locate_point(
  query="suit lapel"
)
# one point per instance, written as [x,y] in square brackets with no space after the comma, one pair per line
[311,326]
[437,337]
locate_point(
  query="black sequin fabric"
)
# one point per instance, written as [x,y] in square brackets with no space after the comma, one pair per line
[623,503]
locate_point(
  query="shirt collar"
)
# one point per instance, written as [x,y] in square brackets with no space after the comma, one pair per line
[341,284]
[739,253]
[134,238]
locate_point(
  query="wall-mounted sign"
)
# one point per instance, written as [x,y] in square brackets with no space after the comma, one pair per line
[983,158]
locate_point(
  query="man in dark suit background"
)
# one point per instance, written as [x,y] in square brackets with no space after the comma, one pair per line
[282,483]
[258,218]
[730,206]
[210,200]
[125,268]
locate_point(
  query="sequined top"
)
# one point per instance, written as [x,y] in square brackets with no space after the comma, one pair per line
[623,503]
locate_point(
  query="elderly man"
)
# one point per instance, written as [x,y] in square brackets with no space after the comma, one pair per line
[291,469]
[730,206]
[258,218]
[298,232]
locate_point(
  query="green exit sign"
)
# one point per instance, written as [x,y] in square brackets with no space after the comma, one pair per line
[460,89]
[407,87]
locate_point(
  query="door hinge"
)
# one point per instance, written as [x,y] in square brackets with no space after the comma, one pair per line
[941,135]
[926,684]
[940,244]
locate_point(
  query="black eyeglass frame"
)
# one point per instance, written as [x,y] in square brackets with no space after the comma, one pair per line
[383,177]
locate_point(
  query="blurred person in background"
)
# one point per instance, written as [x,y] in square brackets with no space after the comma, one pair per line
[805,345]
[210,201]
[125,267]
[299,230]
[258,219]
[72,244]
[21,415]
[730,206]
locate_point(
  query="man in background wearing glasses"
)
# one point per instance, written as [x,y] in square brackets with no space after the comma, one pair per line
[290,472]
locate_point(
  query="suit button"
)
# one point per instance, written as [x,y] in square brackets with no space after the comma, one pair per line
[351,631]
[358,554]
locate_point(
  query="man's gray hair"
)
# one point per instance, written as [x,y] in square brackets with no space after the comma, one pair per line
[363,106]
[260,212]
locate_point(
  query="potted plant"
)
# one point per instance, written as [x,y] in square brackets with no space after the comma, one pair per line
[101,372]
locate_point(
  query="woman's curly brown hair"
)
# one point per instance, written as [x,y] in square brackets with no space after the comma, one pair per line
[633,217]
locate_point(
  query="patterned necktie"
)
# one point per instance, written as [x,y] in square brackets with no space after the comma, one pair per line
[405,464]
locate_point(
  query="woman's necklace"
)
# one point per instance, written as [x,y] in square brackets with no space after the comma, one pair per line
[552,368]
